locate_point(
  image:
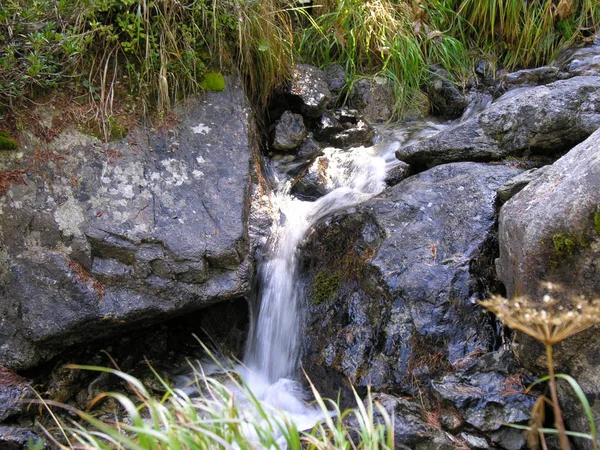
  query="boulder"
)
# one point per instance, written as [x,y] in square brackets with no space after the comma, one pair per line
[550,231]
[312,184]
[546,119]
[309,90]
[411,429]
[373,98]
[516,184]
[392,283]
[19,438]
[335,75]
[488,395]
[289,131]
[397,174]
[102,237]
[531,77]
[581,61]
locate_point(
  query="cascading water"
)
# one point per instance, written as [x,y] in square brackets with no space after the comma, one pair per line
[273,347]
[353,176]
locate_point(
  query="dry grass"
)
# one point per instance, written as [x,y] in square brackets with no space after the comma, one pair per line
[10,177]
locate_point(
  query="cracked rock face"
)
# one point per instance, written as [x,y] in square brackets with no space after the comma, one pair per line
[392,283]
[105,236]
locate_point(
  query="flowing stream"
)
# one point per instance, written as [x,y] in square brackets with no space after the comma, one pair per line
[273,349]
[271,363]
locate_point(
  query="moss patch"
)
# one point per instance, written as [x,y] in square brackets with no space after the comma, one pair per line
[213,81]
[6,143]
[564,246]
[597,222]
[325,286]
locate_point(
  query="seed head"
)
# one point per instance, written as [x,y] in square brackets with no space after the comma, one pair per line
[549,321]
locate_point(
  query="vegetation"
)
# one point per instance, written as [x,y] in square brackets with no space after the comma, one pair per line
[160,50]
[551,321]
[215,420]
[325,287]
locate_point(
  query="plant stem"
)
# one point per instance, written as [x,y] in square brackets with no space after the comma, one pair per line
[558,419]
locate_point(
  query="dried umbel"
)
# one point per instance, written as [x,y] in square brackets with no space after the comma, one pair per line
[553,318]
[550,320]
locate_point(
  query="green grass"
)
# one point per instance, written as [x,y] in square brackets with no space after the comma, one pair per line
[215,420]
[158,51]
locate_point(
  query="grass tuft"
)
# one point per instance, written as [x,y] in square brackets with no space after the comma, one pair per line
[226,415]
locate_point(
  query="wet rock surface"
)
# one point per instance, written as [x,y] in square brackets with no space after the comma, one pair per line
[544,120]
[16,438]
[15,391]
[343,128]
[309,90]
[392,284]
[488,394]
[516,184]
[550,231]
[374,99]
[102,237]
[289,131]
[411,430]
[445,98]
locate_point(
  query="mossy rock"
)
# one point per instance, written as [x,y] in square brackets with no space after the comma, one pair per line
[213,81]
[325,286]
[6,143]
[597,222]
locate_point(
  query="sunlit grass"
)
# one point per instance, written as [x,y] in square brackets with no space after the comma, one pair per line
[226,415]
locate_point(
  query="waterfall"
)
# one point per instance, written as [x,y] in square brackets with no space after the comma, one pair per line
[353,176]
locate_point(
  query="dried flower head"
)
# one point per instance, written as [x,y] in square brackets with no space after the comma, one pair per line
[550,320]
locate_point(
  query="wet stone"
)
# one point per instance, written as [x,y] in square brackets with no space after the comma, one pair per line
[289,131]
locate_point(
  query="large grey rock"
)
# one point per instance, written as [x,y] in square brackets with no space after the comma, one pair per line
[531,77]
[103,237]
[550,231]
[411,429]
[18,438]
[343,128]
[516,184]
[582,61]
[310,90]
[547,119]
[488,394]
[392,283]
[336,77]
[445,98]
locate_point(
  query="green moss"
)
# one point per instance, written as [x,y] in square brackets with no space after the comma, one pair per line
[325,286]
[564,243]
[117,130]
[597,222]
[6,143]
[213,81]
